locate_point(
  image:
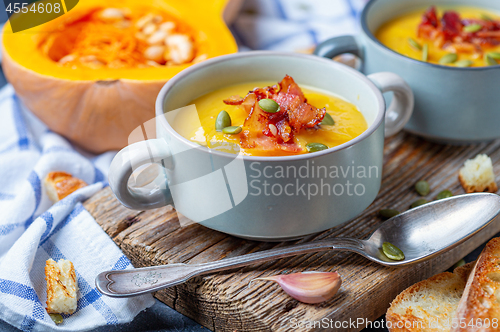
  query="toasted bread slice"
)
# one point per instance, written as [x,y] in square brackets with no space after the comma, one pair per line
[480,302]
[60,184]
[477,175]
[428,306]
[62,287]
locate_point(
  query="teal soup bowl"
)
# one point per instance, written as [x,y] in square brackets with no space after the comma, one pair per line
[452,105]
[265,198]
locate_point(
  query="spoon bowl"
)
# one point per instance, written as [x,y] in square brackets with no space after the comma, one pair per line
[421,233]
[431,229]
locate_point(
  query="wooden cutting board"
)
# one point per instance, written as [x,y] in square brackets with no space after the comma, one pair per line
[228,302]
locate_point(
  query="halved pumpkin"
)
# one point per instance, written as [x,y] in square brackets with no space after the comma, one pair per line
[98,106]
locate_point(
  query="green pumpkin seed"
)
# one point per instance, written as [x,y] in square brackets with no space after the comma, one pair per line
[489,60]
[315,147]
[57,318]
[233,130]
[425,53]
[485,17]
[222,121]
[269,105]
[458,264]
[444,194]
[418,202]
[388,213]
[463,63]
[472,28]
[422,188]
[414,43]
[327,120]
[392,252]
[448,58]
[494,55]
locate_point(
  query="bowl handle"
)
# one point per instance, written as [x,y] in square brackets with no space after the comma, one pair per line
[129,159]
[339,45]
[399,111]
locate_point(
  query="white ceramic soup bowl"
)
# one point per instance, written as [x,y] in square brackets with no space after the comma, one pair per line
[265,198]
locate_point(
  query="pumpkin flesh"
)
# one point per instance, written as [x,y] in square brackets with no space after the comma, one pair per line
[98,107]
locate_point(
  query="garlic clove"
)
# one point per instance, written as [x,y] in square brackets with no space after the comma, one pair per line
[308,287]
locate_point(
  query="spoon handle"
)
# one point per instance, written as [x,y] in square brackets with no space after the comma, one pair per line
[125,283]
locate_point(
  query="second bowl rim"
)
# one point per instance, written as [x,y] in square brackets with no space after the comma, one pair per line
[371,36]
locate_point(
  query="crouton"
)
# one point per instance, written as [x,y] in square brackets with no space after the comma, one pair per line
[60,184]
[62,287]
[477,175]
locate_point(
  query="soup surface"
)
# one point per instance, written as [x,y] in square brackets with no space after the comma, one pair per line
[454,36]
[259,138]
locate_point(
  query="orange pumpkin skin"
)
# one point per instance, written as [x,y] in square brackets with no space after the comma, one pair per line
[97,114]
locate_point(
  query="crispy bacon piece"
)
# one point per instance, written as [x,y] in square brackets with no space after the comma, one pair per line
[300,113]
[429,27]
[451,25]
[430,17]
[460,47]
[449,31]
[257,133]
[486,34]
[275,131]
[233,100]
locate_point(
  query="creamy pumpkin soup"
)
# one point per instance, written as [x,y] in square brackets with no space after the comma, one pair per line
[273,120]
[458,36]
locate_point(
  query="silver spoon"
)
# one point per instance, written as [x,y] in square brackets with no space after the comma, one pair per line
[421,233]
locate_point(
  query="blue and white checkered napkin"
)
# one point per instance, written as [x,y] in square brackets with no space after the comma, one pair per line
[294,25]
[33,230]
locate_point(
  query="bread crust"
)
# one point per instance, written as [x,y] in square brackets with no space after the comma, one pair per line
[481,298]
[473,188]
[61,288]
[415,317]
[60,184]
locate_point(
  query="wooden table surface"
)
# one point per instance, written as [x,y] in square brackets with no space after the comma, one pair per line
[227,301]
